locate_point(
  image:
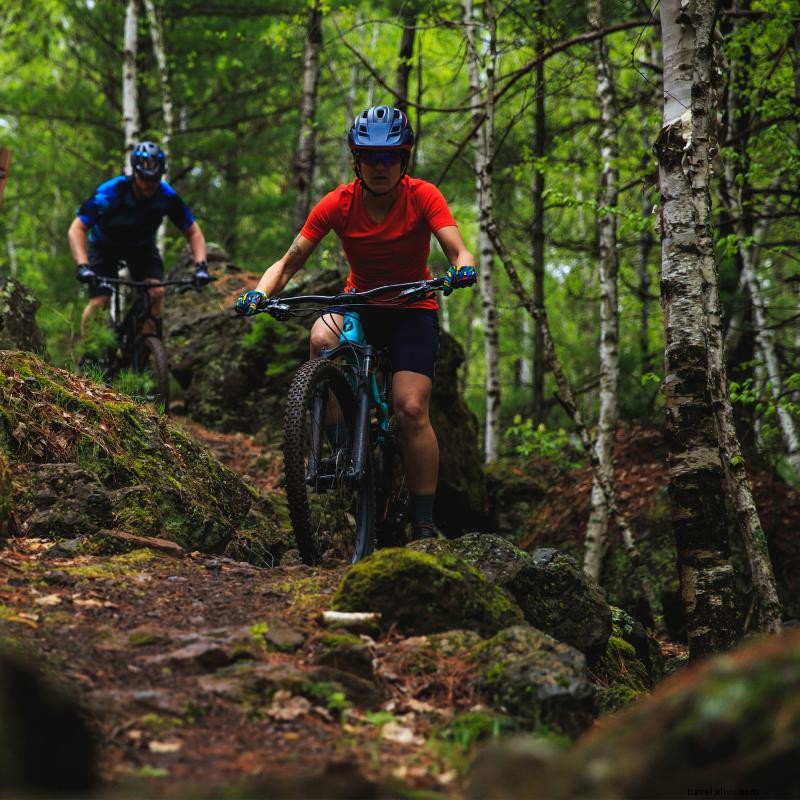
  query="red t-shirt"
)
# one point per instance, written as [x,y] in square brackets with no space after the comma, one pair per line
[394,250]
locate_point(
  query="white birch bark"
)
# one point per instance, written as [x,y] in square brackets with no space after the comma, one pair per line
[597,527]
[130,97]
[687,262]
[484,153]
[306,145]
[167,106]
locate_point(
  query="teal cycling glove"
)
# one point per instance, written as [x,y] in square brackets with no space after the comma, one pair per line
[247,303]
[458,278]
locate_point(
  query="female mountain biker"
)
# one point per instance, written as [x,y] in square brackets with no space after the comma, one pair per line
[384,219]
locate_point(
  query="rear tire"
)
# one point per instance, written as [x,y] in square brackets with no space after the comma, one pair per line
[328,511]
[151,362]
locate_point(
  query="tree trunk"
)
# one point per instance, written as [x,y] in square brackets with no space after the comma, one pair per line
[167,107]
[405,58]
[484,153]
[696,492]
[304,160]
[597,527]
[130,97]
[537,231]
[646,240]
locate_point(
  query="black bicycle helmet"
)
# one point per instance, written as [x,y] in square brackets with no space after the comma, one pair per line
[382,127]
[148,160]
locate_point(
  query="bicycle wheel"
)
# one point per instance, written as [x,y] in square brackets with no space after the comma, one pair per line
[152,367]
[329,511]
[391,490]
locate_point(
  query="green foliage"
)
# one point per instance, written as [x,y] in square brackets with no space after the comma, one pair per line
[236,81]
[556,446]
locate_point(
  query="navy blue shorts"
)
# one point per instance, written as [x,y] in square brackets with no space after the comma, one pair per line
[411,334]
[143,263]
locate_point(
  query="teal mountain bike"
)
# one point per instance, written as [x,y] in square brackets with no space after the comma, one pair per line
[344,480]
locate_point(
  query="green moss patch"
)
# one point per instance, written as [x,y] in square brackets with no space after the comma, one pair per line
[423,593]
[50,416]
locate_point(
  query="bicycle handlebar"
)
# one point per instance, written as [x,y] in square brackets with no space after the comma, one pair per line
[147,284]
[281,307]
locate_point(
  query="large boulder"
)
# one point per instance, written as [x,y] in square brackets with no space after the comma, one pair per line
[235,374]
[422,593]
[555,595]
[528,674]
[730,723]
[18,328]
[83,457]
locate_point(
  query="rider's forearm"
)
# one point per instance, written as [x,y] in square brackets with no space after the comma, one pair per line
[275,278]
[77,241]
[281,272]
[197,242]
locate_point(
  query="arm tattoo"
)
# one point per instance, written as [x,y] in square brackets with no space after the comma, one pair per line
[294,250]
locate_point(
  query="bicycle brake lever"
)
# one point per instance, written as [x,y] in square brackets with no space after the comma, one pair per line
[279,311]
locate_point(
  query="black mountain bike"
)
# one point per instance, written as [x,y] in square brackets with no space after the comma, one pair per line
[345,484]
[141,353]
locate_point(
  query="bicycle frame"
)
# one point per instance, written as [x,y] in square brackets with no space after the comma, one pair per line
[359,358]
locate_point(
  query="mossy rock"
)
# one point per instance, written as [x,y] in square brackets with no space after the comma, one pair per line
[422,593]
[646,647]
[60,500]
[555,595]
[528,674]
[345,652]
[620,676]
[50,416]
[731,721]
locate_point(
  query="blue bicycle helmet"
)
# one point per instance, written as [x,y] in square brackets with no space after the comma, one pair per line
[148,160]
[382,127]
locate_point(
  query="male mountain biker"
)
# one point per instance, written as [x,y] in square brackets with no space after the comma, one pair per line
[120,221]
[384,220]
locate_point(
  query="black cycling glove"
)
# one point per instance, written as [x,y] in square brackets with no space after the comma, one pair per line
[86,274]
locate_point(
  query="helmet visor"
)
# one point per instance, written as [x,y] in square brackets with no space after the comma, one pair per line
[387,158]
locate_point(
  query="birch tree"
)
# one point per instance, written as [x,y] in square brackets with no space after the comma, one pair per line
[130,96]
[687,263]
[305,158]
[597,527]
[483,109]
[537,226]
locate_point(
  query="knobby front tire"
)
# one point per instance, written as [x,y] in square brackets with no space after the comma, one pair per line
[328,512]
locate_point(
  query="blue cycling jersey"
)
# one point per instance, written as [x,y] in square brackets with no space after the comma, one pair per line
[116,217]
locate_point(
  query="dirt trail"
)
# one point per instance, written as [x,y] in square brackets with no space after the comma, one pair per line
[177,660]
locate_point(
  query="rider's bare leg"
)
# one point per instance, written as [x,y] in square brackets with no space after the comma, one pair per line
[411,395]
[325,333]
[101,301]
[156,304]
